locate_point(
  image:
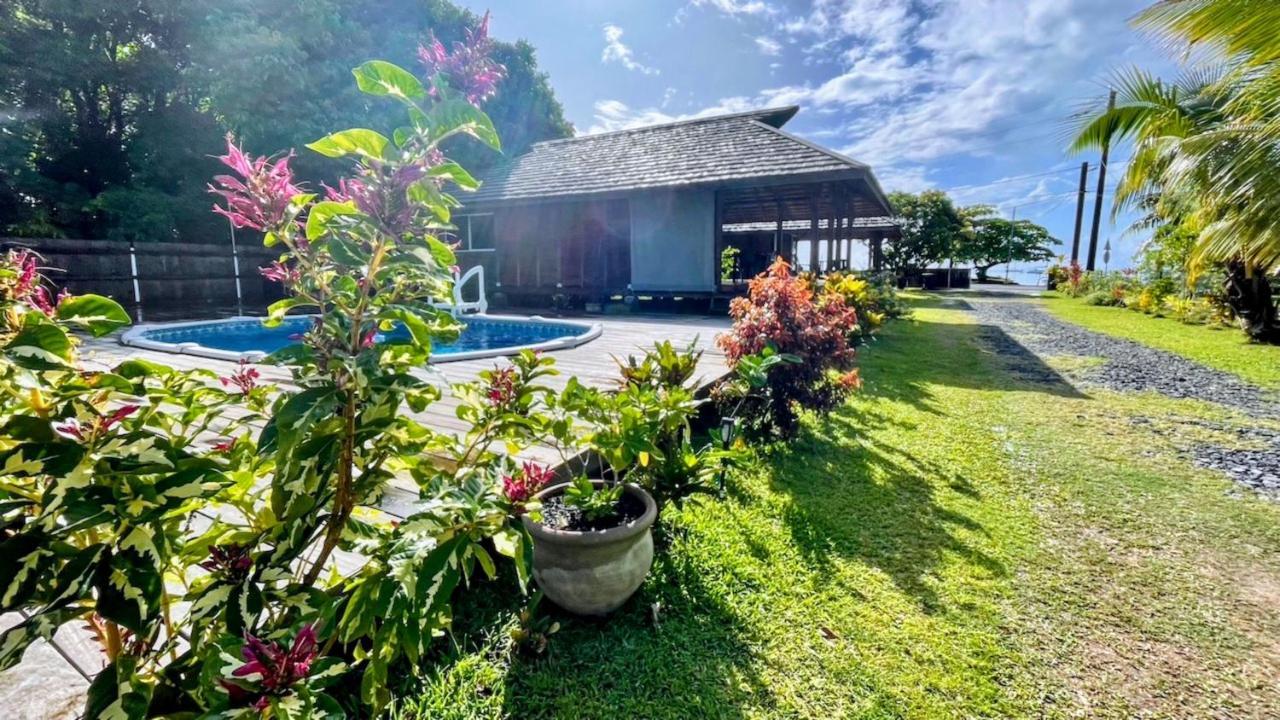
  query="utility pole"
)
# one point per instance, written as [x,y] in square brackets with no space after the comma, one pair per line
[1102,186]
[1075,239]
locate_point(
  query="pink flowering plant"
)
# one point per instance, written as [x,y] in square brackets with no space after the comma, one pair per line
[106,472]
[362,258]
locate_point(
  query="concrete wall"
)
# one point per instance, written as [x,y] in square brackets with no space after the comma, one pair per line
[673,241]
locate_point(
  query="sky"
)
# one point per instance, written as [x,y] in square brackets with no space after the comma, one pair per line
[970,96]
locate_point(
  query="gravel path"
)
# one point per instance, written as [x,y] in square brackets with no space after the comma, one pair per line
[1017,326]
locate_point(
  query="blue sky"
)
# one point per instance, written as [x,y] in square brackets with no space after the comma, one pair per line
[970,96]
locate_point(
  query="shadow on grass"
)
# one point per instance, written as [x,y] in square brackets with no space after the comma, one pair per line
[693,662]
[957,360]
[863,482]
[877,504]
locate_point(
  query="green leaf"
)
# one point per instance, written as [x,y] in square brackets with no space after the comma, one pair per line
[381,78]
[42,626]
[118,692]
[129,589]
[322,212]
[39,344]
[418,328]
[368,143]
[95,313]
[346,252]
[455,172]
[277,310]
[454,117]
[442,253]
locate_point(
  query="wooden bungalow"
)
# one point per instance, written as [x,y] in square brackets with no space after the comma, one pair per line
[651,210]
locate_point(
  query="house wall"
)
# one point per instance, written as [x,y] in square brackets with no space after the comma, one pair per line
[673,241]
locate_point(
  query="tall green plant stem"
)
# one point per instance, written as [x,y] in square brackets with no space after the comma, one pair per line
[344,493]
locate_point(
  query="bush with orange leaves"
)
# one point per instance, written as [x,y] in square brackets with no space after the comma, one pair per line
[782,313]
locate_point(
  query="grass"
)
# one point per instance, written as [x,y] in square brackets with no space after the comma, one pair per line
[957,541]
[1226,349]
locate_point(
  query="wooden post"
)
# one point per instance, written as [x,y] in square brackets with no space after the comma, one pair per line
[717,239]
[814,237]
[1102,186]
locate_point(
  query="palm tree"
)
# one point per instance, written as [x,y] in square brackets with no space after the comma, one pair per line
[1206,147]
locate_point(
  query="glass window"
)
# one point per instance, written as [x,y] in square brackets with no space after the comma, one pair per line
[481,232]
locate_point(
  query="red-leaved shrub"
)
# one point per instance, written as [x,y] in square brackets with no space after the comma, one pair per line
[781,311]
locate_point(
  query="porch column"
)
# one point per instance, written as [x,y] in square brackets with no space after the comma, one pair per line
[717,240]
[814,238]
[777,228]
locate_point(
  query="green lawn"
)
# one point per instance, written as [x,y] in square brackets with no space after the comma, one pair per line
[1227,349]
[952,543]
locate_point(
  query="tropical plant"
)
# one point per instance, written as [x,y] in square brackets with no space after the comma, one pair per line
[781,312]
[108,484]
[364,259]
[874,298]
[1205,145]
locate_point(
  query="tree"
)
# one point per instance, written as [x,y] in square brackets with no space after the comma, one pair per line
[265,66]
[994,240]
[112,111]
[1207,144]
[83,80]
[932,227]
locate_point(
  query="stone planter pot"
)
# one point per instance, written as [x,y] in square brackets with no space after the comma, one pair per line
[593,573]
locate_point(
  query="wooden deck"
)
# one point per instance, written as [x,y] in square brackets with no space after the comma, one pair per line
[51,680]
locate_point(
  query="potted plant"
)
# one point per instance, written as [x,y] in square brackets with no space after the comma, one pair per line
[592,543]
[591,536]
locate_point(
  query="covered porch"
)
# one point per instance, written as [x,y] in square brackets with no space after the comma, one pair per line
[818,226]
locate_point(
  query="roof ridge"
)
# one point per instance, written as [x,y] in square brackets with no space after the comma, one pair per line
[788,110]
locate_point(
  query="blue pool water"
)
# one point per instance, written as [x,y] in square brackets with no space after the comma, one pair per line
[479,334]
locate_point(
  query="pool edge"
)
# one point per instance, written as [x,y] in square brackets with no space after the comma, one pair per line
[136,337]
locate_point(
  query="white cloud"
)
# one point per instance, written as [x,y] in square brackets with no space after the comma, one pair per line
[737,7]
[613,115]
[767,45]
[909,85]
[616,51]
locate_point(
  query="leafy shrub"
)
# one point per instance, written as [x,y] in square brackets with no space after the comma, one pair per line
[1103,297]
[874,299]
[107,475]
[780,312]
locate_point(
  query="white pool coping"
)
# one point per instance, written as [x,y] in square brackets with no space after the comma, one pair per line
[136,337]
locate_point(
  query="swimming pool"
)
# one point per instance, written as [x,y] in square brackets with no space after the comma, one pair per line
[245,338]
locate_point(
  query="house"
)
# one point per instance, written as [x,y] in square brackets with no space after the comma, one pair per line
[652,210]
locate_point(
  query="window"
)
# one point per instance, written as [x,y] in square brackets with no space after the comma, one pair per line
[480,230]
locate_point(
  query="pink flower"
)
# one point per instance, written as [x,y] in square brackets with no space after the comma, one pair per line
[525,483]
[232,561]
[502,387]
[368,340]
[245,378]
[468,69]
[73,429]
[278,669]
[224,446]
[281,273]
[24,262]
[260,197]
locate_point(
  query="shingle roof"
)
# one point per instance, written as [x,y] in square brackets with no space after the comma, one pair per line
[711,150]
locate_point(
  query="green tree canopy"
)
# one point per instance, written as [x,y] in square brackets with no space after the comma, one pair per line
[932,228]
[992,240]
[112,110]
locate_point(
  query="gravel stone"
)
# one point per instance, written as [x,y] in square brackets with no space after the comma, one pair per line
[1025,335]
